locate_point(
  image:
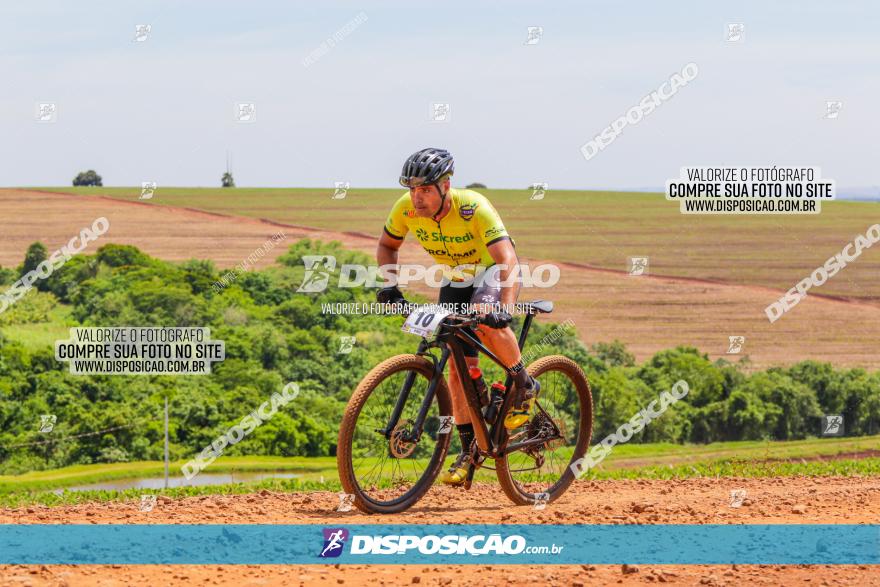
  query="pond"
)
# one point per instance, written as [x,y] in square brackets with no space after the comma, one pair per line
[198,480]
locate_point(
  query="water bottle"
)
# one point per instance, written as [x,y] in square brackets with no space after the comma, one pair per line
[480,384]
[495,401]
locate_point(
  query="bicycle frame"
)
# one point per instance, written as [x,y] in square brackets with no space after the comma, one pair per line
[491,441]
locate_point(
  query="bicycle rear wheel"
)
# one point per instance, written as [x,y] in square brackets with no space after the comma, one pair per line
[564,404]
[389,475]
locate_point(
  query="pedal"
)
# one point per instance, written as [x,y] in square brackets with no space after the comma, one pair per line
[476,462]
[470,476]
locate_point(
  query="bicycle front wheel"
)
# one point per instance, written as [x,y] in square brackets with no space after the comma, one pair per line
[389,473]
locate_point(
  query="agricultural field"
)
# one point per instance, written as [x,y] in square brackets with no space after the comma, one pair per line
[592,228]
[701,294]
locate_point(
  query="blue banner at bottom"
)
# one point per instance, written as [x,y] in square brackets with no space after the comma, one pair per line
[447,543]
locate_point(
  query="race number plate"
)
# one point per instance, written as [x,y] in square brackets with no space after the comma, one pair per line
[424,322]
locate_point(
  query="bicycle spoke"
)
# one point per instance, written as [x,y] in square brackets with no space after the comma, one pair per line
[560,403]
[379,473]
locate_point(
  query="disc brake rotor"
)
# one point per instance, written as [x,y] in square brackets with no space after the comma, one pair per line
[399,446]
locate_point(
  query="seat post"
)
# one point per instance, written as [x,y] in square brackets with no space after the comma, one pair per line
[527,322]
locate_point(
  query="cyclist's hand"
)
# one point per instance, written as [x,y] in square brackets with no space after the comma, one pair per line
[498,319]
[390,295]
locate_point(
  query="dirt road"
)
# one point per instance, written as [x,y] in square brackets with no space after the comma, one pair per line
[829,500]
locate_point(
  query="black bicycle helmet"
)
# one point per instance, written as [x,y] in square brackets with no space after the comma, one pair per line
[426,167]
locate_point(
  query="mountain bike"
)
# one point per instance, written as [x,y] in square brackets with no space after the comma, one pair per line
[398,424]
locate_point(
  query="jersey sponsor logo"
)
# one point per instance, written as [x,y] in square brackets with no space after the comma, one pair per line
[409,213]
[466,211]
[494,231]
[444,253]
[436,237]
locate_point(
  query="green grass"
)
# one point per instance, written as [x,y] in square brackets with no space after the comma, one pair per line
[593,227]
[629,461]
[42,335]
[637,455]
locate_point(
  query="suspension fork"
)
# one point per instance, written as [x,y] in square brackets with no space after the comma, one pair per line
[403,396]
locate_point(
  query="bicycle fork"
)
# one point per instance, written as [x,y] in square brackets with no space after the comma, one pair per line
[418,426]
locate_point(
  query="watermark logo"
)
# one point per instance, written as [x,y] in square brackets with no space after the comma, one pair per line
[319,269]
[246,264]
[637,266]
[346,344]
[538,190]
[533,35]
[46,112]
[147,189]
[334,540]
[238,432]
[245,112]
[317,276]
[341,190]
[472,545]
[832,109]
[346,501]
[440,112]
[823,273]
[737,497]
[735,344]
[334,39]
[148,502]
[53,263]
[541,500]
[158,350]
[446,423]
[47,423]
[735,32]
[142,32]
[628,429]
[832,425]
[645,107]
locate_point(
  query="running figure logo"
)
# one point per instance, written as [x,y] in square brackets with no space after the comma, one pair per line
[147,189]
[735,345]
[47,422]
[534,35]
[832,109]
[638,265]
[334,540]
[341,190]
[735,32]
[318,268]
[832,425]
[538,190]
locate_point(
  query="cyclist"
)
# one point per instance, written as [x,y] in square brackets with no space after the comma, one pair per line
[461,230]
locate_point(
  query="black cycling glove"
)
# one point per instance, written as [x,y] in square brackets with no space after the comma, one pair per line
[498,319]
[390,295]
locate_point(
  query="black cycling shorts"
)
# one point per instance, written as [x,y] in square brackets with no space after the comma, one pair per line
[459,299]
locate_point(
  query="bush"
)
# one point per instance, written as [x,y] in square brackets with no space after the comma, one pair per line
[87,178]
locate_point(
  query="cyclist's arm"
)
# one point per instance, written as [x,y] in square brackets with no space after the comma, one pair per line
[503,254]
[391,239]
[387,253]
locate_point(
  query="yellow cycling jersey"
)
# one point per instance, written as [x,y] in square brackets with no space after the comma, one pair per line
[462,237]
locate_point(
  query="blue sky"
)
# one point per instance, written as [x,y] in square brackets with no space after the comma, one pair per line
[163,110]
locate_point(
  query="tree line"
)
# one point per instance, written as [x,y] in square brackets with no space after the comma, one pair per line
[274,335]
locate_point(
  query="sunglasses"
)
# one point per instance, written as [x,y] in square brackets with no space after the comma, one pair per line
[411,182]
